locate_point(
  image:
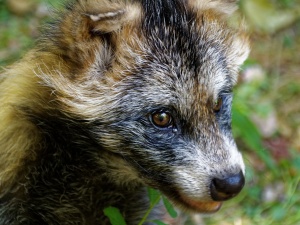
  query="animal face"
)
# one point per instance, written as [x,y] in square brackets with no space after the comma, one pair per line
[157,94]
[168,103]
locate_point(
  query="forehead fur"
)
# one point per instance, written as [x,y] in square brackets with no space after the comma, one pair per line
[190,40]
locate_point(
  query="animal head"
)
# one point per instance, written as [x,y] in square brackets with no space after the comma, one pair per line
[152,80]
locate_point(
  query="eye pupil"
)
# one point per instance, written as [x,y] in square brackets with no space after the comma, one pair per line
[218,105]
[162,119]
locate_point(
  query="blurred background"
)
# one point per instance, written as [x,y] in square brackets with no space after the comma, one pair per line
[266,109]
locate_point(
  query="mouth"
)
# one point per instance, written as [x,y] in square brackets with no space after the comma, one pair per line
[188,204]
[200,206]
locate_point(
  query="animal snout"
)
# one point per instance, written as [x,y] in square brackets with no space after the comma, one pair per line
[228,187]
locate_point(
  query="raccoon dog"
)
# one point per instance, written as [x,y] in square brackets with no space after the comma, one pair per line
[116,96]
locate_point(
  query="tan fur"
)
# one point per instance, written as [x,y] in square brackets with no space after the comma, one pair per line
[226,7]
[17,135]
[20,86]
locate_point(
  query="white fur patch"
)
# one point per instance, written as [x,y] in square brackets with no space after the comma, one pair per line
[107,15]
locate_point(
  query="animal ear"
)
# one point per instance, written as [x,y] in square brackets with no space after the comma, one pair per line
[226,7]
[108,16]
[106,21]
[238,51]
[82,25]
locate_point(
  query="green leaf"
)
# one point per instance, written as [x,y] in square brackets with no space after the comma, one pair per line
[264,15]
[250,135]
[158,222]
[114,215]
[278,212]
[296,162]
[153,195]
[169,207]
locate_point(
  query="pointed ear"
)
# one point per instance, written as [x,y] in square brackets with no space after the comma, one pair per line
[226,7]
[79,30]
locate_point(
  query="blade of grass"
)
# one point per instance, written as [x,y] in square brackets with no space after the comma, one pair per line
[154,197]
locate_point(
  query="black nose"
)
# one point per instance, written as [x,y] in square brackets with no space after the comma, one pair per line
[223,189]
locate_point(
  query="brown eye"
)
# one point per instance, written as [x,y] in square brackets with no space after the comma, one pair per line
[162,119]
[218,105]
